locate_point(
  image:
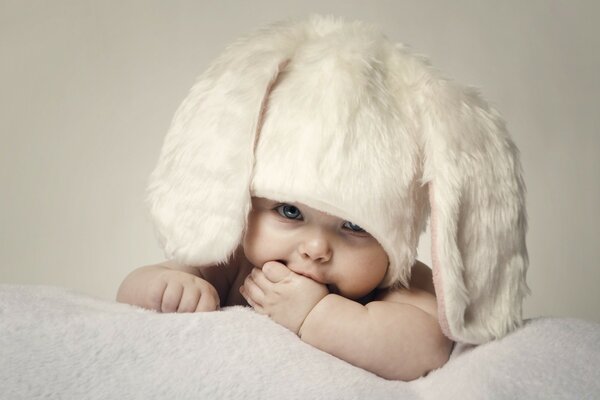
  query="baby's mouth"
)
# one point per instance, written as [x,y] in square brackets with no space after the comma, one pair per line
[331,288]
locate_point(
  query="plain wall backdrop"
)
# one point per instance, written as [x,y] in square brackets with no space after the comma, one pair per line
[88,90]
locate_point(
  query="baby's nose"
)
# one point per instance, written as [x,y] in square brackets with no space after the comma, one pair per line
[316,247]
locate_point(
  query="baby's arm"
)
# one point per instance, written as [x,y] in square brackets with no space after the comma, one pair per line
[397,336]
[390,337]
[170,287]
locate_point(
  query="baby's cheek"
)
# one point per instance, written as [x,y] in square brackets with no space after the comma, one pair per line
[258,252]
[362,279]
[251,254]
[355,287]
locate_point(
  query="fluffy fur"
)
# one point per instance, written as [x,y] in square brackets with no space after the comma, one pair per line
[332,114]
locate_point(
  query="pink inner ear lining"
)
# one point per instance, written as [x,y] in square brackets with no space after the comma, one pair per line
[436,270]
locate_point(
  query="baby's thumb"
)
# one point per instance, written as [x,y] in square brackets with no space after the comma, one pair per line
[275,271]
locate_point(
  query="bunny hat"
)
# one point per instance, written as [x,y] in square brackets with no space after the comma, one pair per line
[330,113]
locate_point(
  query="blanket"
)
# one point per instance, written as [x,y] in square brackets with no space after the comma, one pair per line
[59,344]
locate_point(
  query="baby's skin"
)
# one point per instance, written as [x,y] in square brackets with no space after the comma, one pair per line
[318,276]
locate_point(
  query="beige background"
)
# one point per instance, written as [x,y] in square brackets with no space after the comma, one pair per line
[88,89]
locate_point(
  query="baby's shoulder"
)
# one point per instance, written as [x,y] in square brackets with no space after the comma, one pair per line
[415,297]
[421,293]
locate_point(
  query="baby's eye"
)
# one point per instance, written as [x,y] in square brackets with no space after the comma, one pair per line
[288,211]
[353,227]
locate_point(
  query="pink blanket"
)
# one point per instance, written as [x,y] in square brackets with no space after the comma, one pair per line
[55,343]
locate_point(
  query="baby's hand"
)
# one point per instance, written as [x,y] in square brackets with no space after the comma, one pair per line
[180,291]
[283,295]
[169,290]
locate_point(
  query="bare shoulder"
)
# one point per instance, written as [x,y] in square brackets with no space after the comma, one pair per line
[421,299]
[421,293]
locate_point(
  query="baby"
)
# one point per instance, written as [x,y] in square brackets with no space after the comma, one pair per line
[297,178]
[317,275]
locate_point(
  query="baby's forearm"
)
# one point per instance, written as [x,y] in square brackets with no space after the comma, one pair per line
[393,340]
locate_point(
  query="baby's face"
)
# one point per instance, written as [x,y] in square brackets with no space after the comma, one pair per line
[315,244]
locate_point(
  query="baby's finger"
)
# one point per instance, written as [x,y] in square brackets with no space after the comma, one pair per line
[251,302]
[208,302]
[171,298]
[275,271]
[258,276]
[189,299]
[253,291]
[155,293]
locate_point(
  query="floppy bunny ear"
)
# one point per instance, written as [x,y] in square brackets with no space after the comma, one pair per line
[199,194]
[478,219]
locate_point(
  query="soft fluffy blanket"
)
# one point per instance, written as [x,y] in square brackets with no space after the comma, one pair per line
[55,343]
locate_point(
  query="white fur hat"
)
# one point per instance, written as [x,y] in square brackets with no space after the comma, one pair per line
[330,113]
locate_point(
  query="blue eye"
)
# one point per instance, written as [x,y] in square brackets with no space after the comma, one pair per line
[353,227]
[288,211]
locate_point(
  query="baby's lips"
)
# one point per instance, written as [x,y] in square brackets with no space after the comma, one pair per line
[306,274]
[282,262]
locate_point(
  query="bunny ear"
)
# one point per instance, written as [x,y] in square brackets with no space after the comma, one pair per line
[478,220]
[199,194]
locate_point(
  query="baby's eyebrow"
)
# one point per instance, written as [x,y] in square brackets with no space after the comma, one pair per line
[263,201]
